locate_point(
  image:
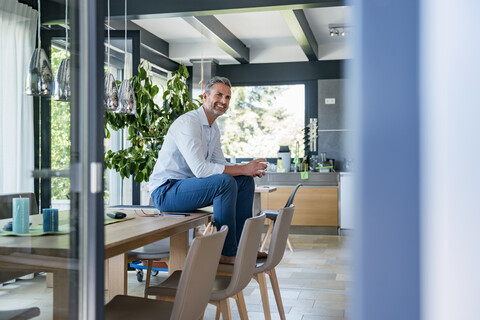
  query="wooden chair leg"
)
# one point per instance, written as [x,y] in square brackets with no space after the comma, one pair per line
[217,314]
[267,235]
[262,283]
[276,291]
[207,228]
[242,307]
[149,274]
[225,310]
[289,243]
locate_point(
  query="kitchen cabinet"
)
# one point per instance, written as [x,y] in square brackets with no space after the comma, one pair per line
[314,205]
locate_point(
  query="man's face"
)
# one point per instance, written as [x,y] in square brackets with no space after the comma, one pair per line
[216,101]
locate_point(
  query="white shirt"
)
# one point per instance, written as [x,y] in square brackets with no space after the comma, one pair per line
[191,149]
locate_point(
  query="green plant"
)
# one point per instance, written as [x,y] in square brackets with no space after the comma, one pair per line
[148,127]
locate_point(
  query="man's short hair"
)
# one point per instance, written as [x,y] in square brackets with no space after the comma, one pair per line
[215,80]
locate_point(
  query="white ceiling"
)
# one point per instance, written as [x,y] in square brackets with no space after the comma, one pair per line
[265,33]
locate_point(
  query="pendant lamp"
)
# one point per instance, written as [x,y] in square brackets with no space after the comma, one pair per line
[128,102]
[110,97]
[39,80]
[62,80]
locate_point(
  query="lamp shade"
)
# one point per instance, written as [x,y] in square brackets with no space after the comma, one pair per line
[110,100]
[128,103]
[39,81]
[62,82]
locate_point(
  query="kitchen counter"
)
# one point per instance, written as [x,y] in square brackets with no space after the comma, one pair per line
[316,203]
[317,179]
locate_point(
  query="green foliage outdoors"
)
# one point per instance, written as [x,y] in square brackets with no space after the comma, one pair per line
[259,124]
[148,127]
[60,143]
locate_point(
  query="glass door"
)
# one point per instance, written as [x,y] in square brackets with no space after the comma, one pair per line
[51,163]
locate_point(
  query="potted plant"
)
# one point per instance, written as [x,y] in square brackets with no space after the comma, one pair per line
[148,127]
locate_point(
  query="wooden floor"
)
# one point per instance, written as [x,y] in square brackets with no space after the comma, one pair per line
[314,280]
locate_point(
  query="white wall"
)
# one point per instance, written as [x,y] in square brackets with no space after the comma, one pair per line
[450,146]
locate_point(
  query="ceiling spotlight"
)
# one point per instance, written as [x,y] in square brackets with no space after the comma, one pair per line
[339,30]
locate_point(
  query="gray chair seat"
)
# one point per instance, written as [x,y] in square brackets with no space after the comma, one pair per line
[156,250]
[20,314]
[129,307]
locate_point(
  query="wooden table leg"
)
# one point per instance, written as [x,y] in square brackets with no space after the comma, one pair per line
[178,251]
[61,294]
[117,276]
[257,203]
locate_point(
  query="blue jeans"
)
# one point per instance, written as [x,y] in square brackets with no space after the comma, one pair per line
[232,199]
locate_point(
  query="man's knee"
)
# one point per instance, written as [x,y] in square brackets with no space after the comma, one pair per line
[226,181]
[245,182]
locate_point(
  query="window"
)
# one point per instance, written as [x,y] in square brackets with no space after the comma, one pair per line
[60,113]
[261,118]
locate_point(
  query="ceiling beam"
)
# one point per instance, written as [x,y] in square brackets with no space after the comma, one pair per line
[158,59]
[298,25]
[255,74]
[175,8]
[147,38]
[214,30]
[152,48]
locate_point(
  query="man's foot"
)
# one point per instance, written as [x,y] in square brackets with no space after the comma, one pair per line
[227,259]
[262,255]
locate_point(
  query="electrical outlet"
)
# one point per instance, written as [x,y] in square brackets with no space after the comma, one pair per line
[329,100]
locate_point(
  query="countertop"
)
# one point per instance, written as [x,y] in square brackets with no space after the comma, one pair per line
[326,179]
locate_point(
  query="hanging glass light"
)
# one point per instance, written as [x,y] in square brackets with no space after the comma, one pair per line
[110,97]
[128,103]
[62,80]
[39,80]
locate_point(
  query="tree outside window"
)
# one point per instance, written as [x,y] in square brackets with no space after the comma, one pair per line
[261,118]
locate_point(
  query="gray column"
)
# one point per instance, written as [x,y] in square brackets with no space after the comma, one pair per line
[209,71]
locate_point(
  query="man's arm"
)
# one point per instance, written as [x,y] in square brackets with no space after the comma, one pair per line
[255,168]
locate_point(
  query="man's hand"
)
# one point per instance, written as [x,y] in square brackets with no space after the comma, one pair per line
[255,168]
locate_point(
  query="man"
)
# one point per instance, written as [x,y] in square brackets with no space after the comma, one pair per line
[191,171]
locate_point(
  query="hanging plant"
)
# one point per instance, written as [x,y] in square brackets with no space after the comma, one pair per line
[148,127]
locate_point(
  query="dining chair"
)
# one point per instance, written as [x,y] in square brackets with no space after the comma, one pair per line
[6,203]
[225,286]
[20,314]
[157,251]
[5,213]
[267,265]
[194,286]
[272,216]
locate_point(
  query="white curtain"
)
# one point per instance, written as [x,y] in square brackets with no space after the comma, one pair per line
[18,24]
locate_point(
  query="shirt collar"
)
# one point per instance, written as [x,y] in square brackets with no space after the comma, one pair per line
[203,117]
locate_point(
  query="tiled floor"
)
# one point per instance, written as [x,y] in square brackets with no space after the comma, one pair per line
[314,281]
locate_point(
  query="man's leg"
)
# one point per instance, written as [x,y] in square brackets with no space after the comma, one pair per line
[244,206]
[193,193]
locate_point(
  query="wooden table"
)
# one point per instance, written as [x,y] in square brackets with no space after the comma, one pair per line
[257,198]
[50,253]
[129,235]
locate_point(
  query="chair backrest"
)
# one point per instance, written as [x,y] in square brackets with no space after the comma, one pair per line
[292,195]
[246,256]
[198,275]
[6,203]
[278,241]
